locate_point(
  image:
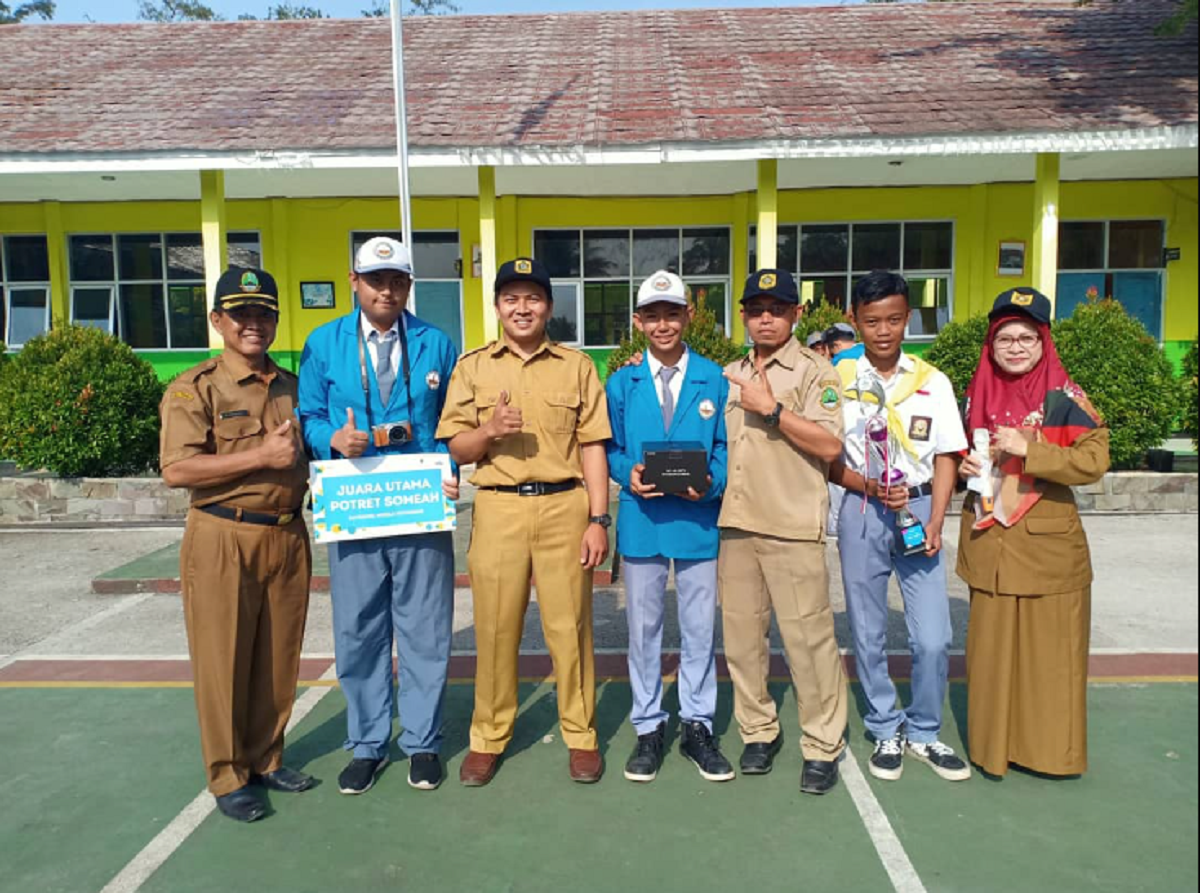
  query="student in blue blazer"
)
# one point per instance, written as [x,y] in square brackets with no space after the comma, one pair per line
[672,395]
[374,382]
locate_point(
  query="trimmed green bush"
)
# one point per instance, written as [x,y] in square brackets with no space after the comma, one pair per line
[956,350]
[1190,420]
[817,318]
[1125,373]
[79,403]
[703,335]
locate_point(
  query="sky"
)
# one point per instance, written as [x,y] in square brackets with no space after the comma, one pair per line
[126,10]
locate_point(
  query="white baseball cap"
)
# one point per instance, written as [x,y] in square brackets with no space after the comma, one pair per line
[382,253]
[662,286]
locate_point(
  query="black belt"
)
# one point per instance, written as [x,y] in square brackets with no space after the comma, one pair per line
[232,514]
[925,489]
[535,488]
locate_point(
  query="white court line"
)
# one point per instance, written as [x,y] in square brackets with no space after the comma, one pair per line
[173,836]
[887,845]
[87,623]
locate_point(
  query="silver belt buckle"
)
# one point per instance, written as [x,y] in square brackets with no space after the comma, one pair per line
[530,489]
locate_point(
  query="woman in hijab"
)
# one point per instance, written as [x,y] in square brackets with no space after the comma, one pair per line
[1023,553]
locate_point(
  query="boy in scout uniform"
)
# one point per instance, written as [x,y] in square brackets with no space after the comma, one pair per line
[671,395]
[784,423]
[532,416]
[229,435]
[926,429]
[372,383]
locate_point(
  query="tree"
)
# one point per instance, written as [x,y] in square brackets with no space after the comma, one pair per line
[176,11]
[284,11]
[14,16]
[380,8]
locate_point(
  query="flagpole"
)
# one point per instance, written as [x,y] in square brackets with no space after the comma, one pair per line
[401,122]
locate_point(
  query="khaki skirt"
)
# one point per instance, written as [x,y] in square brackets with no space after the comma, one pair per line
[1027,681]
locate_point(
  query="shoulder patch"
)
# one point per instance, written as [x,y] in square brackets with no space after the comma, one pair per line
[182,395]
[830,398]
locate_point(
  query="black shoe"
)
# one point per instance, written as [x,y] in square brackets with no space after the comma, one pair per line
[359,776]
[887,762]
[284,779]
[758,757]
[424,771]
[241,806]
[941,759]
[647,757]
[818,776]
[699,746]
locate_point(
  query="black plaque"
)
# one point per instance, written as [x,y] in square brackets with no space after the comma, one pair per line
[672,467]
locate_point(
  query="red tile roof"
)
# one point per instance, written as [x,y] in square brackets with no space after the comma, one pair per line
[598,78]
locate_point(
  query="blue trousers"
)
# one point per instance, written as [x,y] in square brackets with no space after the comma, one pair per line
[401,587]
[645,597]
[866,546]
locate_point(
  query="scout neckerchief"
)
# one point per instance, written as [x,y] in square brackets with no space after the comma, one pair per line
[1043,401]
[910,382]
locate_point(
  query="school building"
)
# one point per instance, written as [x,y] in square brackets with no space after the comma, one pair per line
[971,145]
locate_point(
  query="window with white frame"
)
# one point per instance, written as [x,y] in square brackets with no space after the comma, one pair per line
[437,277]
[148,288]
[828,258]
[1122,259]
[596,272]
[24,288]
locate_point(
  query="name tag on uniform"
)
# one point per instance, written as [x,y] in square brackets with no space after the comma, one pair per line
[235,414]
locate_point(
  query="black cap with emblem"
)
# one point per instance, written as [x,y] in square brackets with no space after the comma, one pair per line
[771,283]
[524,269]
[1023,301]
[242,286]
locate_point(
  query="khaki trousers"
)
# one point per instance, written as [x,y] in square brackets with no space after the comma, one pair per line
[512,537]
[245,600]
[756,574]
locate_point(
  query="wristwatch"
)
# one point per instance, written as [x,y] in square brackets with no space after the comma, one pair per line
[604,520]
[771,419]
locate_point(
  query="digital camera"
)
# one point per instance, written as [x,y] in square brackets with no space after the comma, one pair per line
[392,434]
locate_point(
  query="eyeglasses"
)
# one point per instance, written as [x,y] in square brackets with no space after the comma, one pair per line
[1005,342]
[779,311]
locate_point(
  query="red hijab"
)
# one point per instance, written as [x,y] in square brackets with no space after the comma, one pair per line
[996,398]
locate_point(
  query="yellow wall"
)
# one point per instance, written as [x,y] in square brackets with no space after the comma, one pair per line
[318,232]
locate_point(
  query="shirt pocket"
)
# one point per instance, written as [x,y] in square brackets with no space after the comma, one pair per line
[485,405]
[236,432]
[560,412]
[1048,526]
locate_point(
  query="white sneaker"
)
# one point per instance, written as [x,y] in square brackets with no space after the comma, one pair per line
[941,759]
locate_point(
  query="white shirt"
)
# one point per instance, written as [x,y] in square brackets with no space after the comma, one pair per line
[930,418]
[676,380]
[373,343]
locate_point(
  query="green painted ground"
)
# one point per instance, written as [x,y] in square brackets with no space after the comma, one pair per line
[91,775]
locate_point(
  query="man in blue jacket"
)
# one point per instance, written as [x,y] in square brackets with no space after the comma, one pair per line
[672,395]
[374,383]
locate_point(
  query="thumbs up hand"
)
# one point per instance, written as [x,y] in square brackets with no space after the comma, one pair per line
[279,447]
[348,440]
[505,419]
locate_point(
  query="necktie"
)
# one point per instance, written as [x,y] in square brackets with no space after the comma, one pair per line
[666,373]
[384,373]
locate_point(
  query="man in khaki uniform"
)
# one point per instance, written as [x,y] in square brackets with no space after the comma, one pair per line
[784,423]
[229,435]
[532,416]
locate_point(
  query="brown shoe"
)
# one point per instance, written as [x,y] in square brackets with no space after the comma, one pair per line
[478,768]
[586,766]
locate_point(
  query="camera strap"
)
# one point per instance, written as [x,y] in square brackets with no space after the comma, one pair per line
[366,379]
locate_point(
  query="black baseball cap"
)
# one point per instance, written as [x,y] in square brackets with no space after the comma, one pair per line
[1023,301]
[523,269]
[243,286]
[772,283]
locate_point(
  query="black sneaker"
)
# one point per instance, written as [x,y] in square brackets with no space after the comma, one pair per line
[699,746]
[887,762]
[424,771]
[941,759]
[647,757]
[359,776]
[758,757]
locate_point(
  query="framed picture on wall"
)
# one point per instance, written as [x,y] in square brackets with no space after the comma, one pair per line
[316,295]
[1012,259]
